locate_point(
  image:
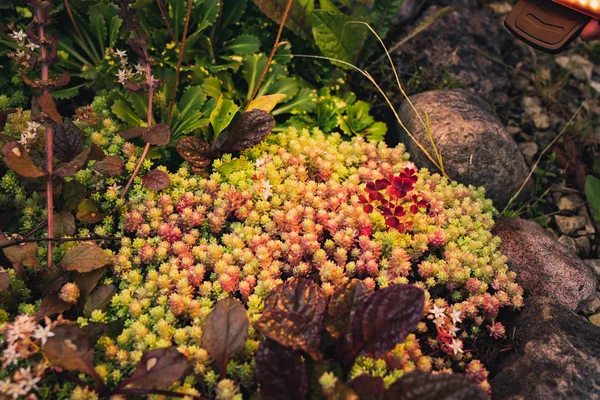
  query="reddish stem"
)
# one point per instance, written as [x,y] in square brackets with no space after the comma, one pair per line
[150,84]
[49,147]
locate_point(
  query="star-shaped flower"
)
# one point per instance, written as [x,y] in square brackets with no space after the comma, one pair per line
[120,53]
[32,46]
[43,333]
[456,346]
[455,315]
[438,312]
[18,36]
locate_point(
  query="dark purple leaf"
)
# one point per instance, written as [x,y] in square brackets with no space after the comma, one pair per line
[87,211]
[52,305]
[158,135]
[195,151]
[34,83]
[64,224]
[252,127]
[110,166]
[47,104]
[133,87]
[68,140]
[384,319]
[225,331]
[368,387]
[280,372]
[133,132]
[158,369]
[155,180]
[293,315]
[69,349]
[70,168]
[342,306]
[85,257]
[99,299]
[16,157]
[426,386]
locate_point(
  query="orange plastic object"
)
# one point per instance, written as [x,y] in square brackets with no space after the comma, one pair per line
[588,7]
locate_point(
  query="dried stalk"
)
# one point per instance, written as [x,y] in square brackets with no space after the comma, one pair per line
[180,59]
[164,17]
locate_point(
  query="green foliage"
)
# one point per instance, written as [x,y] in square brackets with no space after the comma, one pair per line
[337,38]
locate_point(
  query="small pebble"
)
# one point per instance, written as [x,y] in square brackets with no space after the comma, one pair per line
[593,306]
[541,121]
[570,225]
[595,319]
[583,243]
[569,203]
[569,243]
[529,150]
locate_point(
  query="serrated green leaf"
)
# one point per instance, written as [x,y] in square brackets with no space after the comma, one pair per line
[383,15]
[298,19]
[139,102]
[212,87]
[232,11]
[337,39]
[304,101]
[124,112]
[208,12]
[222,115]
[243,44]
[67,93]
[98,28]
[592,192]
[286,85]
[113,29]
[251,70]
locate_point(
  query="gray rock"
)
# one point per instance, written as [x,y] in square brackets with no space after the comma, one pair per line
[570,225]
[580,67]
[557,356]
[583,243]
[475,147]
[593,306]
[544,267]
[569,243]
[594,266]
[459,46]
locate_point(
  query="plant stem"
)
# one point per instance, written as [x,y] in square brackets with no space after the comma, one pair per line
[273,50]
[179,60]
[72,18]
[164,17]
[150,83]
[58,240]
[49,147]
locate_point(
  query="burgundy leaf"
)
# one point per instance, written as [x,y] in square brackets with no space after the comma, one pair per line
[280,372]
[158,369]
[16,157]
[23,254]
[158,135]
[52,305]
[69,349]
[252,127]
[34,83]
[63,80]
[68,140]
[70,168]
[293,315]
[427,386]
[64,224]
[195,151]
[87,211]
[225,331]
[342,306]
[96,153]
[384,319]
[99,299]
[133,132]
[110,166]
[155,180]
[85,257]
[47,104]
[368,387]
[4,280]
[87,281]
[133,87]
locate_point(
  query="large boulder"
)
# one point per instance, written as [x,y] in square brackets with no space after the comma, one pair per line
[557,356]
[544,266]
[475,147]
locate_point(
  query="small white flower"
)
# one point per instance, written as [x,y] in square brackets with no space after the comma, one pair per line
[10,355]
[438,312]
[455,315]
[114,188]
[18,36]
[32,46]
[122,76]
[120,53]
[140,69]
[26,381]
[266,189]
[453,329]
[259,163]
[456,346]
[20,54]
[43,333]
